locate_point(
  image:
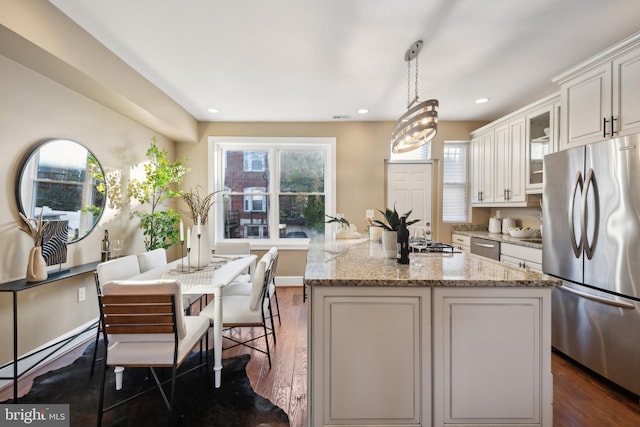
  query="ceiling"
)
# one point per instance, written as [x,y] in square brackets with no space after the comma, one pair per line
[311,60]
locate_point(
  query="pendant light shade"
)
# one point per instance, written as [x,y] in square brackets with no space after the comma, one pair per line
[419,124]
[416,127]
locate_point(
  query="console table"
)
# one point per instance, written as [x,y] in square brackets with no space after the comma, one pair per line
[17,286]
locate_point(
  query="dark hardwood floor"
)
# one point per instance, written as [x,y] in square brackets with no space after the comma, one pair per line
[581,399]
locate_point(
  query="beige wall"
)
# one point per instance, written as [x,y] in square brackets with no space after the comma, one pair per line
[361,149]
[36,108]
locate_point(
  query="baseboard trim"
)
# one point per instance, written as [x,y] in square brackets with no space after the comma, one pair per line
[31,358]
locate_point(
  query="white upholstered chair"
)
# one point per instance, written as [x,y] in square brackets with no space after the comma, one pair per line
[144,325]
[248,311]
[157,258]
[235,248]
[240,287]
[152,259]
[116,269]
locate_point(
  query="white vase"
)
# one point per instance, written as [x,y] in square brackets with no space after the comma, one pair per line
[200,254]
[390,243]
[36,265]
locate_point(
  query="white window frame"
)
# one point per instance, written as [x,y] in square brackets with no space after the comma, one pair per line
[466,184]
[217,144]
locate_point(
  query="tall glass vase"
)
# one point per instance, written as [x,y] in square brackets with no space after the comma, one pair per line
[200,254]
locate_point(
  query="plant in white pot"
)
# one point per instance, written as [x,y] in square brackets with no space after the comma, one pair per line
[390,227]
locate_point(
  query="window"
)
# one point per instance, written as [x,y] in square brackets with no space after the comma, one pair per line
[455,188]
[276,190]
[254,161]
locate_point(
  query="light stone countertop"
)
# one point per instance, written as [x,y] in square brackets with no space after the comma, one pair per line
[361,262]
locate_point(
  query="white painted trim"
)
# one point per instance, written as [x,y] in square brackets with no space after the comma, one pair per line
[33,356]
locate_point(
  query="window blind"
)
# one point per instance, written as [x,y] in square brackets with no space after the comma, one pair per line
[455,188]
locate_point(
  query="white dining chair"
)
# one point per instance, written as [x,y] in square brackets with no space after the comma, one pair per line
[115,269]
[145,326]
[240,287]
[235,248]
[156,258]
[248,311]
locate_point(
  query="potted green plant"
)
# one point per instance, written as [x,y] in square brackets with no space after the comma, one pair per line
[390,227]
[160,226]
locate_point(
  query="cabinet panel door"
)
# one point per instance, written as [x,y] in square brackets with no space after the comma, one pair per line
[476,170]
[491,357]
[516,161]
[587,101]
[503,163]
[370,356]
[626,93]
[487,157]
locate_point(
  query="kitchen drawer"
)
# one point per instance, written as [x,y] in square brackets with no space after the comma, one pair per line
[521,263]
[461,242]
[485,247]
[523,252]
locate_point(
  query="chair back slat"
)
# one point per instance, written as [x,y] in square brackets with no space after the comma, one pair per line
[141,319]
[123,299]
[140,329]
[138,314]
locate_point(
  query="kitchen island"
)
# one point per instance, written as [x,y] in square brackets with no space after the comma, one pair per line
[460,340]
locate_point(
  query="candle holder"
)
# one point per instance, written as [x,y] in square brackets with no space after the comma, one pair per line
[199,236]
[189,260]
[181,255]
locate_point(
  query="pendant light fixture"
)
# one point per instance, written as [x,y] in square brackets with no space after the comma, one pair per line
[419,124]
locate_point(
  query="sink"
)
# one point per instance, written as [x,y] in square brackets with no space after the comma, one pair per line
[539,241]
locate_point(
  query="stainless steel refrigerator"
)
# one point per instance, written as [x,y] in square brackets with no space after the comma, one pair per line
[591,240]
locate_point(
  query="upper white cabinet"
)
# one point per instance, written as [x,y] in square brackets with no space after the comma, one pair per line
[506,153]
[482,168]
[541,139]
[601,97]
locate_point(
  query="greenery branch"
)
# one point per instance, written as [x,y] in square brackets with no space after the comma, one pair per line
[342,221]
[199,206]
[34,228]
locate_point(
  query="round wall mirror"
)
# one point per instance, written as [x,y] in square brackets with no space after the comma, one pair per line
[64,181]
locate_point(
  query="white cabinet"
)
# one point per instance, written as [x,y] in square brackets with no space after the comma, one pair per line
[601,97]
[370,356]
[482,168]
[491,359]
[541,139]
[521,256]
[506,155]
[461,242]
[510,150]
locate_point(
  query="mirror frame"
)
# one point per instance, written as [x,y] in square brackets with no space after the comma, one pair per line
[23,176]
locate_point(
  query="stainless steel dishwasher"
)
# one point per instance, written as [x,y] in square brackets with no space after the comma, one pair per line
[486,248]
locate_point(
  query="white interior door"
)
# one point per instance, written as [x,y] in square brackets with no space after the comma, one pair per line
[409,187]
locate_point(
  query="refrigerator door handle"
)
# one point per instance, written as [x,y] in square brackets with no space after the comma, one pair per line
[590,181]
[577,248]
[603,300]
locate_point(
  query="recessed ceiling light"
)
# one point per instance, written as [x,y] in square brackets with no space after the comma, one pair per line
[482,100]
[363,111]
[213,110]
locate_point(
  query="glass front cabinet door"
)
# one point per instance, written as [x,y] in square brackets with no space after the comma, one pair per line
[541,140]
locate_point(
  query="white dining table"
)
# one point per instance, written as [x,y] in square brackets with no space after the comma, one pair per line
[206,281]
